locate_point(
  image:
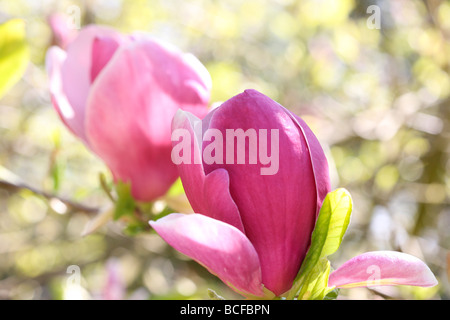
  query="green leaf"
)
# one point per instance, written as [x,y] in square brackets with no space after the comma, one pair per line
[315,282]
[125,204]
[106,186]
[334,217]
[134,228]
[57,172]
[14,53]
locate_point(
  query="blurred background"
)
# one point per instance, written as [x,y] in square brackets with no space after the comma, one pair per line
[371,78]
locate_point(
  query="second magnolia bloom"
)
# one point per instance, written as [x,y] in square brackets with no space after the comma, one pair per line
[118,93]
[252,230]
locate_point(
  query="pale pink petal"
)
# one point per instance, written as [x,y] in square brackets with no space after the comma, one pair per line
[203,84]
[55,58]
[382,268]
[62,33]
[179,73]
[118,125]
[76,70]
[221,248]
[178,76]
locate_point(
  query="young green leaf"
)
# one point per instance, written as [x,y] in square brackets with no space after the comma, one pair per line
[14,53]
[125,203]
[334,217]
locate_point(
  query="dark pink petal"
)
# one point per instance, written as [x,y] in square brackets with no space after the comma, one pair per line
[208,195]
[382,268]
[278,211]
[103,48]
[218,200]
[221,248]
[189,162]
[318,160]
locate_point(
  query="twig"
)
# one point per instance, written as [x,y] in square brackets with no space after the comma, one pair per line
[6,185]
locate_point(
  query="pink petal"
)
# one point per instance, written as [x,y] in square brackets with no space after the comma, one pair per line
[190,168]
[180,76]
[208,195]
[62,34]
[221,248]
[103,48]
[202,84]
[130,110]
[220,205]
[318,161]
[122,91]
[382,268]
[278,211]
[76,71]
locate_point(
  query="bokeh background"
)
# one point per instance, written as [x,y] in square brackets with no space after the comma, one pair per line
[377,98]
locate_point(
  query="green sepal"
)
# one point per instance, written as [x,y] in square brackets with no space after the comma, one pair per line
[135,227]
[311,282]
[332,295]
[125,204]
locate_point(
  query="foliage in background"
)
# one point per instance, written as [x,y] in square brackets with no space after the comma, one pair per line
[13,53]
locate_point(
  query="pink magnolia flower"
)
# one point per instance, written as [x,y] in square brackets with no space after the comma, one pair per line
[118,93]
[251,229]
[62,33]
